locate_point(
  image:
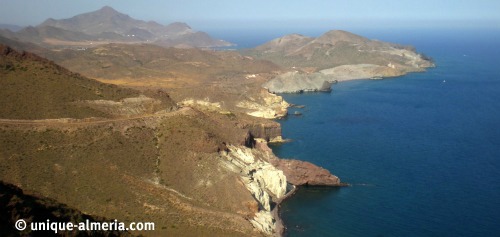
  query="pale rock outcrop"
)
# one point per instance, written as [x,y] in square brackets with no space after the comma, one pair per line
[128,106]
[201,103]
[262,179]
[264,221]
[272,106]
[258,192]
[272,179]
[296,82]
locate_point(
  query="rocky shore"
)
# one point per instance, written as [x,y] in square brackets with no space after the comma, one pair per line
[272,180]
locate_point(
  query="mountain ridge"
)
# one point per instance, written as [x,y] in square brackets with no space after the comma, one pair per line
[107,25]
[336,55]
[333,48]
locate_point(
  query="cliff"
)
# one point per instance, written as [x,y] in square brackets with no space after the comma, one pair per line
[297,82]
[270,179]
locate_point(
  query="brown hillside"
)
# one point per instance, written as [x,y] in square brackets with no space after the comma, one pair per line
[15,204]
[154,65]
[36,88]
[166,169]
[223,77]
[335,48]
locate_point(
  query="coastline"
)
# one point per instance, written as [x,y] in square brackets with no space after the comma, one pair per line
[323,81]
[280,225]
[276,214]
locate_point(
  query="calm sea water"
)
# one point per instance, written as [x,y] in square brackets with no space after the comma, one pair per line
[422,152]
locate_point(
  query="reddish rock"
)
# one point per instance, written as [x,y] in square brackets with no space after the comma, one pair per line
[305,173]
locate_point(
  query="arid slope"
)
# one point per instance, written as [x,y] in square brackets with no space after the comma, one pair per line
[138,158]
[223,80]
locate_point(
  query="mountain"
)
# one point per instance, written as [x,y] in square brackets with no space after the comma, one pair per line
[108,19]
[10,27]
[107,25]
[337,48]
[336,55]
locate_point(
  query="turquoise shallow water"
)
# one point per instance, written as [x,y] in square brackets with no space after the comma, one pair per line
[422,152]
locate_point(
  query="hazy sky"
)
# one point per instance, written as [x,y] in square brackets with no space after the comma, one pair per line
[206,15]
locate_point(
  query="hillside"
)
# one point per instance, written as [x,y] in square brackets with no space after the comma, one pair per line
[158,169]
[36,88]
[107,25]
[117,166]
[336,48]
[198,170]
[224,79]
[14,204]
[337,56]
[25,46]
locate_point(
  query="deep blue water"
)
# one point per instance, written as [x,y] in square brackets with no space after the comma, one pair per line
[422,151]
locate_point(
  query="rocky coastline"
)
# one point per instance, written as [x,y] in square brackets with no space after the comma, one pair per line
[322,81]
[296,173]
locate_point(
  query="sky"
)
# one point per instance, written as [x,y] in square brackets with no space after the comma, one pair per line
[268,14]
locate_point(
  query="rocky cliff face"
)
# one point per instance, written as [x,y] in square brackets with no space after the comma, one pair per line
[261,178]
[268,131]
[270,179]
[305,173]
[269,106]
[297,82]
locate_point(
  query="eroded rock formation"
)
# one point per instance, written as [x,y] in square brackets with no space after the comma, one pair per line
[270,179]
[297,82]
[261,178]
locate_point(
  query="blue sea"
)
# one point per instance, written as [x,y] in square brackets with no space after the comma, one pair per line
[421,152]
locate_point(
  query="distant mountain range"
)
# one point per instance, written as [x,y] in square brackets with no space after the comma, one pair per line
[10,27]
[107,25]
